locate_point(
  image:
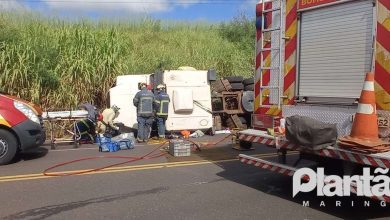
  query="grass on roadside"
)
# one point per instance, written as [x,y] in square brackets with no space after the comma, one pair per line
[61,63]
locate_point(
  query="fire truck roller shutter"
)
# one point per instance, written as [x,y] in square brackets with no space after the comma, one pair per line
[335,49]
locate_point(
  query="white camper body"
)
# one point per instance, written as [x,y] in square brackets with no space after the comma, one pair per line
[188,89]
[190,106]
[122,96]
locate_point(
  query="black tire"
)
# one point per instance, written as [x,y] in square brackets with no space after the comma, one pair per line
[245,144]
[249,87]
[248,81]
[237,86]
[8,146]
[234,79]
[247,101]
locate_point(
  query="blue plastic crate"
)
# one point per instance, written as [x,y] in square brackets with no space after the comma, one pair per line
[103,139]
[104,147]
[126,144]
[105,144]
[113,146]
[108,145]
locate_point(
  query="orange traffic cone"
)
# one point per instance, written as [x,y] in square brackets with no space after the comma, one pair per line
[365,126]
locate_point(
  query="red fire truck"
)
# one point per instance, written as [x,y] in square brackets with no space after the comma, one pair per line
[311,60]
[21,127]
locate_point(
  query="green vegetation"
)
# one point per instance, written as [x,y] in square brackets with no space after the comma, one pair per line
[61,63]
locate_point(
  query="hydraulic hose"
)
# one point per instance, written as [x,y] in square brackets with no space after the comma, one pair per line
[150,155]
[208,144]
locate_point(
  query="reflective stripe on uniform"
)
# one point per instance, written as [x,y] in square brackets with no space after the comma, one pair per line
[146,105]
[85,123]
[162,111]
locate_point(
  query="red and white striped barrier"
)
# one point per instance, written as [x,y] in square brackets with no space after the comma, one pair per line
[256,139]
[286,145]
[375,160]
[263,164]
[332,152]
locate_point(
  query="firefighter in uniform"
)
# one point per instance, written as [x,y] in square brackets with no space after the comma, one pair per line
[106,125]
[161,103]
[86,127]
[143,101]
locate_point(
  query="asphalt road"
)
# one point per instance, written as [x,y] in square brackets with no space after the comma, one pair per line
[211,184]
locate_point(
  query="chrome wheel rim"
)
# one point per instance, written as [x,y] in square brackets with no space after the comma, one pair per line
[3,148]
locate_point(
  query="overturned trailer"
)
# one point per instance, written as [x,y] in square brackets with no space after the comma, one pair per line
[311,60]
[189,91]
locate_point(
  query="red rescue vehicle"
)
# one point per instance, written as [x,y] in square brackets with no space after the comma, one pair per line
[21,127]
[311,60]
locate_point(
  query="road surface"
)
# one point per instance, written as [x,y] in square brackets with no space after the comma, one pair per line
[211,184]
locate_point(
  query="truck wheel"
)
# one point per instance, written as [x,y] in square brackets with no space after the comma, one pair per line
[247,101]
[234,79]
[250,87]
[248,81]
[237,86]
[8,146]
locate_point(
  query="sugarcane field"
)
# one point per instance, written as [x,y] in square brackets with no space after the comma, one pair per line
[195,109]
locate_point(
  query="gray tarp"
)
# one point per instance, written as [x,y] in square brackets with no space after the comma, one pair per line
[310,133]
[92,111]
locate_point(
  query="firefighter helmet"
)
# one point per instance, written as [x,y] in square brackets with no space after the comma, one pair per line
[142,85]
[161,86]
[115,108]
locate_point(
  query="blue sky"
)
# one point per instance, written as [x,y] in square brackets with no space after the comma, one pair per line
[188,10]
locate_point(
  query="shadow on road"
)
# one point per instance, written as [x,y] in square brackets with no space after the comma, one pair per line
[281,186]
[31,154]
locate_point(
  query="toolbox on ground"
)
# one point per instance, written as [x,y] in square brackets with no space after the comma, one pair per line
[179,148]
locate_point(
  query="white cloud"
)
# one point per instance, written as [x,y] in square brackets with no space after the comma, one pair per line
[249,5]
[107,6]
[186,3]
[12,5]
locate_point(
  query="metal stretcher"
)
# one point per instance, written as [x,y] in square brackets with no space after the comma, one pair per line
[54,120]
